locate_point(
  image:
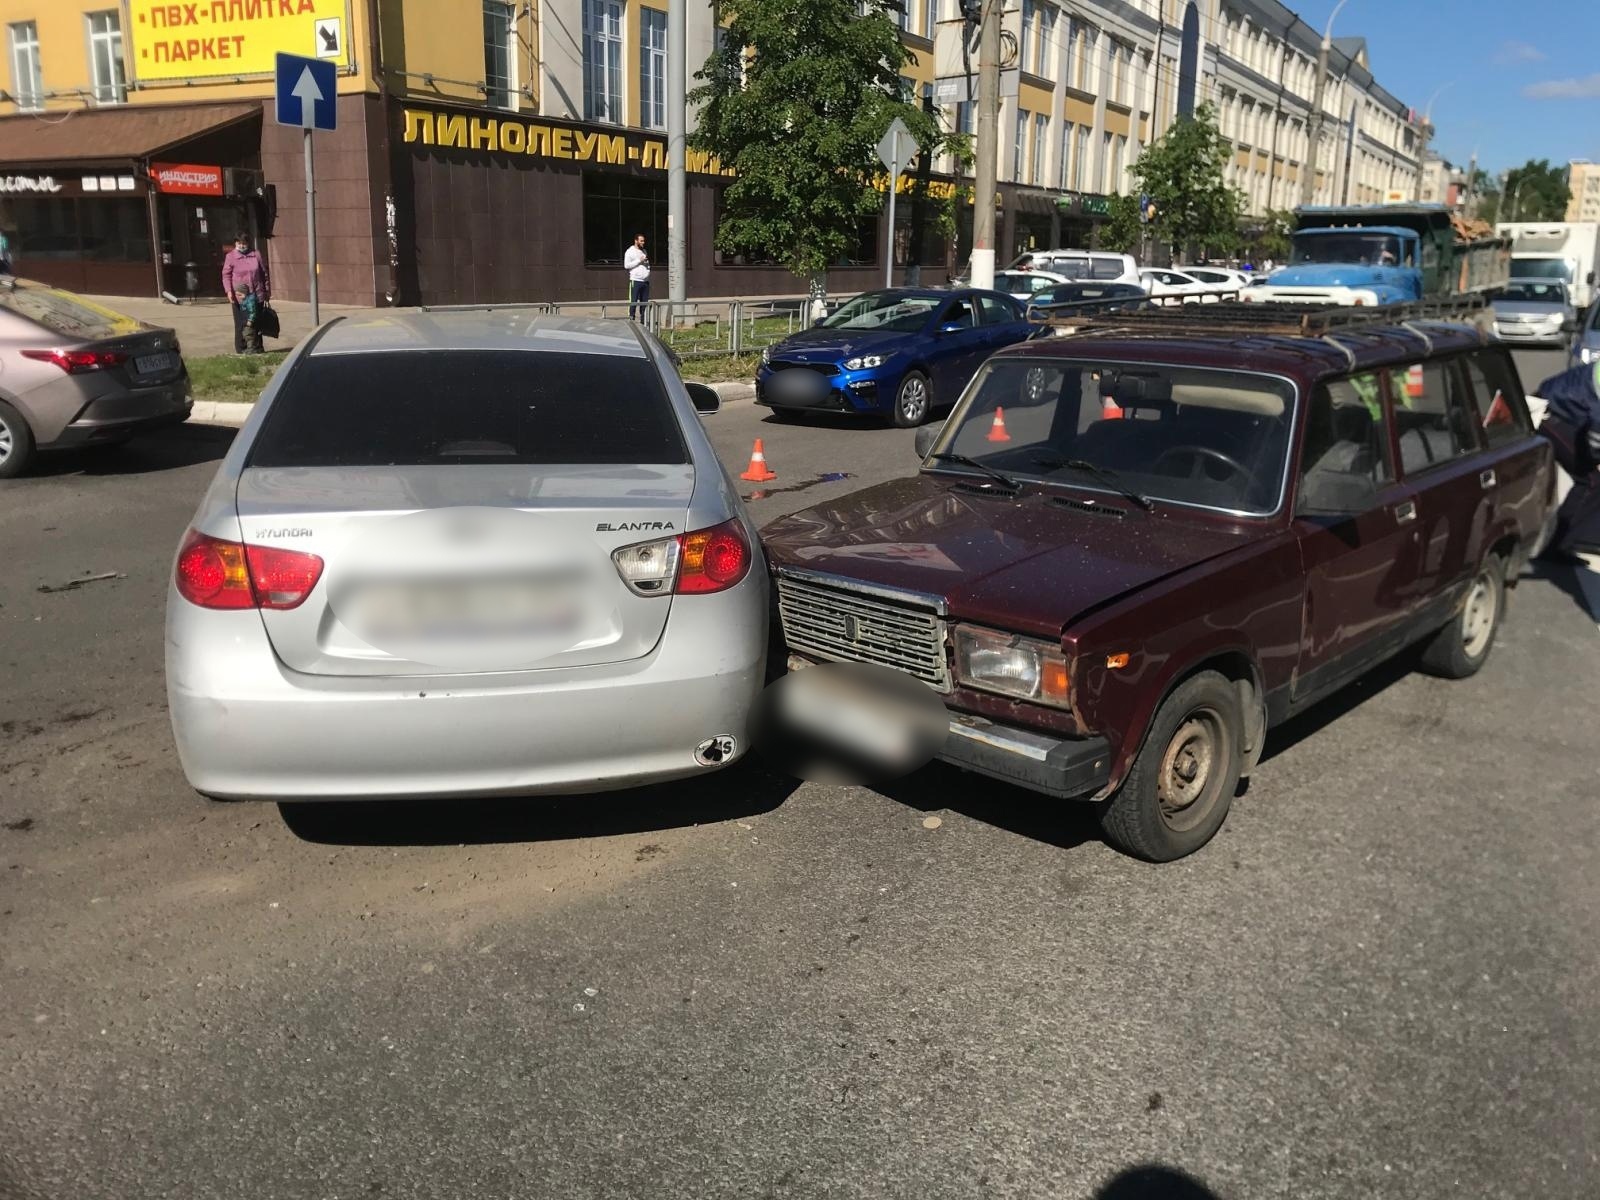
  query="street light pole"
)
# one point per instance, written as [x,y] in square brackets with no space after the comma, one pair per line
[1427,135]
[988,149]
[1308,173]
[677,122]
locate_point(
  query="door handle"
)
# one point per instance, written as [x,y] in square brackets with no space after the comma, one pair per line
[1486,478]
[1405,511]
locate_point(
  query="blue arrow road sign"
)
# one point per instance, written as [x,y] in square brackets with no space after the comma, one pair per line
[307,92]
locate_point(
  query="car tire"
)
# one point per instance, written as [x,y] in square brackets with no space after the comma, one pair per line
[16,442]
[1461,648]
[913,400]
[1178,791]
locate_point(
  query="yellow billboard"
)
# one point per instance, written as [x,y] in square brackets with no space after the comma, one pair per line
[210,39]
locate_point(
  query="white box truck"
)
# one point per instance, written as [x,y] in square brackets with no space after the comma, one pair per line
[1563,251]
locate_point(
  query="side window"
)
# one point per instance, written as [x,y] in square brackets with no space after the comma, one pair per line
[1433,418]
[1345,460]
[958,312]
[1106,268]
[996,311]
[1502,413]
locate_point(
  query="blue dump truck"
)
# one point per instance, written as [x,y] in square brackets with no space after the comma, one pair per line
[1382,254]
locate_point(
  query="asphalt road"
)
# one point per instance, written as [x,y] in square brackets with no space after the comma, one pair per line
[1380,979]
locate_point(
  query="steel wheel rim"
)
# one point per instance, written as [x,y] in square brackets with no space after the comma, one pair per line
[8,441]
[913,398]
[1191,770]
[1477,618]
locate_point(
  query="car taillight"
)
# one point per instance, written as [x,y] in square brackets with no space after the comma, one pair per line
[78,362]
[713,559]
[707,560]
[213,573]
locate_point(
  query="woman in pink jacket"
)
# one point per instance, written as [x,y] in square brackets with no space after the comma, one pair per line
[244,274]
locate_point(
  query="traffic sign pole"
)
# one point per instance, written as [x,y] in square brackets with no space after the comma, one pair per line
[894,179]
[311,231]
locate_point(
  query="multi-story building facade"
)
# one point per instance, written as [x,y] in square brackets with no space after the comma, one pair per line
[1583,190]
[498,150]
[1442,183]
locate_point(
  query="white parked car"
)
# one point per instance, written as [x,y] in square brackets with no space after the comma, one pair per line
[1163,281]
[1024,285]
[1101,266]
[1223,279]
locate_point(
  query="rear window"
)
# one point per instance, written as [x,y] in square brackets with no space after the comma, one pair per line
[419,408]
[63,313]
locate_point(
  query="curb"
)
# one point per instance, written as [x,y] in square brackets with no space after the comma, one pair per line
[213,412]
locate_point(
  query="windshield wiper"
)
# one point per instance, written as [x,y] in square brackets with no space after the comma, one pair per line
[1105,476]
[962,460]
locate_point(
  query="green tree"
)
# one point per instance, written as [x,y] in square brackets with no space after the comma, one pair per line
[1273,241]
[1122,230]
[1535,191]
[1196,207]
[795,103]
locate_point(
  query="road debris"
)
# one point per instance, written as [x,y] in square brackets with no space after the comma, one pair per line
[931,822]
[73,584]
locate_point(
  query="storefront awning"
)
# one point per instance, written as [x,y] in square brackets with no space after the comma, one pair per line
[111,135]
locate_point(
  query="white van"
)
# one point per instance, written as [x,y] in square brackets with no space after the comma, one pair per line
[1099,265]
[1557,252]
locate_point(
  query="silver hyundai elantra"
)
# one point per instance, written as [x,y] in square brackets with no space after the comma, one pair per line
[466,552]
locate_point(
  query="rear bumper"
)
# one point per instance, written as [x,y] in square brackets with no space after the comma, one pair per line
[1064,768]
[124,413]
[247,728]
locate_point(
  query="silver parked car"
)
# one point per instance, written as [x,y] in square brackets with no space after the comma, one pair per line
[75,374]
[1534,311]
[466,552]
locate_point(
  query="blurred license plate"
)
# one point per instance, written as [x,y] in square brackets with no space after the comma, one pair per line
[151,364]
[468,609]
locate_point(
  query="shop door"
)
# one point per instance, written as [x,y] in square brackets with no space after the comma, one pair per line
[202,232]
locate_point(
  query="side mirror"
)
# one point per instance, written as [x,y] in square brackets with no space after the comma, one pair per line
[950,327]
[816,322]
[927,435]
[705,399]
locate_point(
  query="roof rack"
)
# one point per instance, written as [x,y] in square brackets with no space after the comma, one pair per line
[1267,319]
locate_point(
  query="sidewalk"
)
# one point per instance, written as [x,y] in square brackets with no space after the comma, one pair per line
[206,329]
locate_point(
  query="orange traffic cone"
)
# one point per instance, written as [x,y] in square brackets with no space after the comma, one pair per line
[757,472]
[1109,410]
[997,431]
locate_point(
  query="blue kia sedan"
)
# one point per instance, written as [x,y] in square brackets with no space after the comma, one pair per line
[897,352]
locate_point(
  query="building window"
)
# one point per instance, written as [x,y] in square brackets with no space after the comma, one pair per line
[1047,43]
[106,67]
[616,208]
[1105,165]
[27,82]
[1120,160]
[903,17]
[1065,173]
[602,61]
[930,18]
[1041,136]
[499,54]
[1019,158]
[652,68]
[1069,43]
[1023,56]
[965,111]
[1079,157]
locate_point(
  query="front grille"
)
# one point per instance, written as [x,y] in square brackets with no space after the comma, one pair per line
[780,364]
[846,626]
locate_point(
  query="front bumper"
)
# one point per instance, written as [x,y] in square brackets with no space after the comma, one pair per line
[1534,335]
[1064,768]
[848,391]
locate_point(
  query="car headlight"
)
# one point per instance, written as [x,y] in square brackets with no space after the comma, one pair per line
[766,355]
[1012,666]
[865,363]
[1553,318]
[1588,354]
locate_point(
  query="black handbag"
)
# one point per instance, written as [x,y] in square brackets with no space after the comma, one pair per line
[267,322]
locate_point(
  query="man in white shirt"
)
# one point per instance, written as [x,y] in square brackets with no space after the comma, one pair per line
[637,264]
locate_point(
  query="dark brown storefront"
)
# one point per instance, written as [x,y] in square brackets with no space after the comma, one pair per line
[82,211]
[492,207]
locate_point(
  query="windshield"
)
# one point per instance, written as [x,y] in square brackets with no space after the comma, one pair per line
[1368,249]
[1218,439]
[63,313]
[890,311]
[1538,293]
[1541,268]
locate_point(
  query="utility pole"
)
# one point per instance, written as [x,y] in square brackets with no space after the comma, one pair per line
[1469,199]
[1308,180]
[988,150]
[677,186]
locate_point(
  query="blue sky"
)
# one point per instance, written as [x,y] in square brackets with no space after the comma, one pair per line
[1521,80]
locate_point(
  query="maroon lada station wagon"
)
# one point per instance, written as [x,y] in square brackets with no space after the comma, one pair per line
[1130,552]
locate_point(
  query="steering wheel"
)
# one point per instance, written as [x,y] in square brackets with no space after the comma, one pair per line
[1198,452]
